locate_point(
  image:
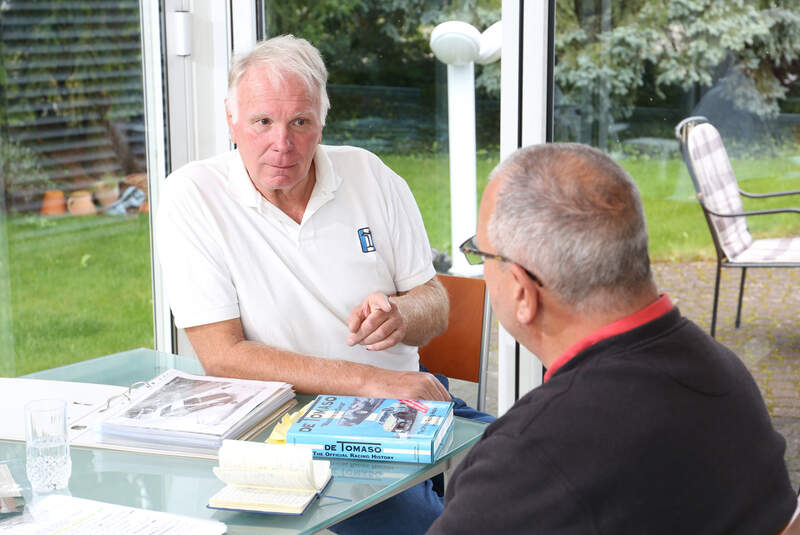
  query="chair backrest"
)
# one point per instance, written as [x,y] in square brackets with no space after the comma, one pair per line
[461,351]
[715,183]
[793,527]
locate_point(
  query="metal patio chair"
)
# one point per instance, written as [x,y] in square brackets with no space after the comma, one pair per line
[720,198]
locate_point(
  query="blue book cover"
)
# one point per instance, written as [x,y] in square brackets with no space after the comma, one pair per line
[373,429]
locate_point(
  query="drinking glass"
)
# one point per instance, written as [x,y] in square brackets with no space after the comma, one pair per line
[48,463]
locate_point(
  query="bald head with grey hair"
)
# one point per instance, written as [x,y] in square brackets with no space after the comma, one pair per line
[573,216]
[284,56]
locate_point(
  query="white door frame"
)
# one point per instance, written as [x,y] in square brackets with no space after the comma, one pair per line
[200,42]
[525,88]
[155,135]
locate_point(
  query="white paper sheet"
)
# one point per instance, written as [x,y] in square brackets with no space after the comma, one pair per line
[82,400]
[66,515]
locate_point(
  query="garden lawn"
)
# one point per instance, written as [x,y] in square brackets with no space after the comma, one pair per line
[81,286]
[678,230]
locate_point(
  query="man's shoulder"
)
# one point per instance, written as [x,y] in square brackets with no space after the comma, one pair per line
[217,165]
[346,151]
[192,184]
[363,170]
[347,158]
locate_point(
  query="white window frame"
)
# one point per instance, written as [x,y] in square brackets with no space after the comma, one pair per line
[525,86]
[200,41]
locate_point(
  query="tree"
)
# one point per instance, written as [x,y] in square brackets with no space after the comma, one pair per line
[376,42]
[751,47]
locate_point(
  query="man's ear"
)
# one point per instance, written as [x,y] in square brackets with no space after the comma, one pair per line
[525,294]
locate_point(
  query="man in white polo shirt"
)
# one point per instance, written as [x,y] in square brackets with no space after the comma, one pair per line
[289,260]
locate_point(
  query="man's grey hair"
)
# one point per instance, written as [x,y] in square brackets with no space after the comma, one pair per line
[284,56]
[572,216]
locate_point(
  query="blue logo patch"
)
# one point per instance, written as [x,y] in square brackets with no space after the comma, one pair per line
[365,237]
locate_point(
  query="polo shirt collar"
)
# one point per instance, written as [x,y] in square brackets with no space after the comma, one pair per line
[327,182]
[243,190]
[652,311]
[239,184]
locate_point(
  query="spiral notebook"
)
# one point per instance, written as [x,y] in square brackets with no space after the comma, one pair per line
[176,413]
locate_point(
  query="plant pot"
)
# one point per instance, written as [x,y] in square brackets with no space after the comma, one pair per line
[53,202]
[80,203]
[106,193]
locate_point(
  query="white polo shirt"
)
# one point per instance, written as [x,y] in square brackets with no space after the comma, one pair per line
[227,252]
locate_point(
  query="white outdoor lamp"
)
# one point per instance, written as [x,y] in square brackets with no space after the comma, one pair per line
[460,46]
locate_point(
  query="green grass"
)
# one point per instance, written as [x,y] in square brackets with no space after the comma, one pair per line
[80,287]
[678,231]
[428,178]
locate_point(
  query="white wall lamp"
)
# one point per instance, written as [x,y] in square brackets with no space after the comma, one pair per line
[460,45]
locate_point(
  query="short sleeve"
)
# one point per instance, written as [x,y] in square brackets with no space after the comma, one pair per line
[197,281]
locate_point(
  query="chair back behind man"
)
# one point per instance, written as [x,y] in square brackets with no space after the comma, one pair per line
[461,351]
[715,184]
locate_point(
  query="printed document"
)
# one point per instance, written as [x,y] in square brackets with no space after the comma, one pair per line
[66,515]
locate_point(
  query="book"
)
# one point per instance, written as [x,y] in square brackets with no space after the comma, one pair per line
[373,429]
[194,412]
[90,405]
[268,478]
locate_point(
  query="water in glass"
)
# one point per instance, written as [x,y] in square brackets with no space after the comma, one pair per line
[48,463]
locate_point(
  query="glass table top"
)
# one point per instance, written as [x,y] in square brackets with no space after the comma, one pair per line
[182,485]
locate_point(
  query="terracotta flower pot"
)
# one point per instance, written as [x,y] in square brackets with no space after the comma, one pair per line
[53,202]
[106,193]
[80,203]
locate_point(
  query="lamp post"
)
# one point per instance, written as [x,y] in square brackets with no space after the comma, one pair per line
[460,45]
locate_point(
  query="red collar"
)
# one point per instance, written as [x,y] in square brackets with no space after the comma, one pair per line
[652,311]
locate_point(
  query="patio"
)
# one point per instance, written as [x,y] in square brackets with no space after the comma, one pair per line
[768,340]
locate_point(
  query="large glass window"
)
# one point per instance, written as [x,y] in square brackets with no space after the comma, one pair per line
[627,72]
[75,277]
[389,93]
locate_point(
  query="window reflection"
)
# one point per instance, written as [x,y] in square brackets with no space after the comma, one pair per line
[626,74]
[76,264]
[389,94]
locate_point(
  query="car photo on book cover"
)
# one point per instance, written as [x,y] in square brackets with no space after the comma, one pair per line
[373,429]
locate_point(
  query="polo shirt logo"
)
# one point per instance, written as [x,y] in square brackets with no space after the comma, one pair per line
[365,237]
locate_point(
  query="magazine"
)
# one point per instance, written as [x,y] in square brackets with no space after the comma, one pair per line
[373,429]
[194,411]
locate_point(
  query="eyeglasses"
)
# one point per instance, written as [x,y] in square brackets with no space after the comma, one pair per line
[475,256]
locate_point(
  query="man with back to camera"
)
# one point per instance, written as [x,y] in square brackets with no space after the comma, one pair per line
[289,260]
[643,423]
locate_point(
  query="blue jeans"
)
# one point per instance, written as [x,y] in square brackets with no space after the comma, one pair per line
[414,510]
